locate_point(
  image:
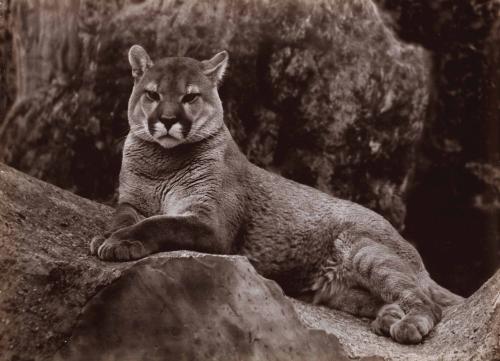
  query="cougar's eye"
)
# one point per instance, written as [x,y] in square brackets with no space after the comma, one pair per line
[152,96]
[191,97]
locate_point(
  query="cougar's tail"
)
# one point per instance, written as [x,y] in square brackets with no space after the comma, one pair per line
[442,296]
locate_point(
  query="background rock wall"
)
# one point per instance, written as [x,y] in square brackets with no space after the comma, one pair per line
[319,91]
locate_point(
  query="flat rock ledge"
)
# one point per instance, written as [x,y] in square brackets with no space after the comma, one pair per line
[59,303]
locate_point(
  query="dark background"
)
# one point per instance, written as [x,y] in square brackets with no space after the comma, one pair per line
[453,210]
[319,91]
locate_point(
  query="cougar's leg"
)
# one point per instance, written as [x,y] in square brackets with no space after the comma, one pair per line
[334,287]
[161,233]
[356,301]
[409,313]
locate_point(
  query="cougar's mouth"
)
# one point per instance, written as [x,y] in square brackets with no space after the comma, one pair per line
[166,136]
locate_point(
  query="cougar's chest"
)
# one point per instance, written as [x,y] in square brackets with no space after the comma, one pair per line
[145,194]
[142,177]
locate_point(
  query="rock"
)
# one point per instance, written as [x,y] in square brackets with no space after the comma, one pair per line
[7,71]
[46,275]
[56,298]
[194,307]
[320,91]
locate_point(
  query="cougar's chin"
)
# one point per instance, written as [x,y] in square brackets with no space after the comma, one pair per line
[167,141]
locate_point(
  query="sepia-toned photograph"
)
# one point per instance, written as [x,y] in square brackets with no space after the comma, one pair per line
[249,180]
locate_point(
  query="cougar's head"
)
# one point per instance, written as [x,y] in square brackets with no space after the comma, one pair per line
[175,100]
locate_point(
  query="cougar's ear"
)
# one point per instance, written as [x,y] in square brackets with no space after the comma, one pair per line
[214,68]
[139,61]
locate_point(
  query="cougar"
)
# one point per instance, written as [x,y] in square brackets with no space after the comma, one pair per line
[184,184]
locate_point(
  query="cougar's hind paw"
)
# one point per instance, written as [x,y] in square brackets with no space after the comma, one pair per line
[411,329]
[121,250]
[386,317]
[95,243]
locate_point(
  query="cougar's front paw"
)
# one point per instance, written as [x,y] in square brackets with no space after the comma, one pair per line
[113,249]
[95,243]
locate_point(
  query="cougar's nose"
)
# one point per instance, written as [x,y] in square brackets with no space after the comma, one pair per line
[168,121]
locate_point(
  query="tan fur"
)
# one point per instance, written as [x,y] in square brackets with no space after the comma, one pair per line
[197,191]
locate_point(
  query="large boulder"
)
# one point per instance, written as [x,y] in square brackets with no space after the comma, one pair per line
[188,306]
[57,301]
[320,91]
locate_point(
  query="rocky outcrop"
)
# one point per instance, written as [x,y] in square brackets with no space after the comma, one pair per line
[320,91]
[57,301]
[194,307]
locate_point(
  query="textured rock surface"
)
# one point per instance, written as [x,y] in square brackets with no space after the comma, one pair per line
[55,297]
[319,91]
[6,69]
[194,307]
[46,275]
